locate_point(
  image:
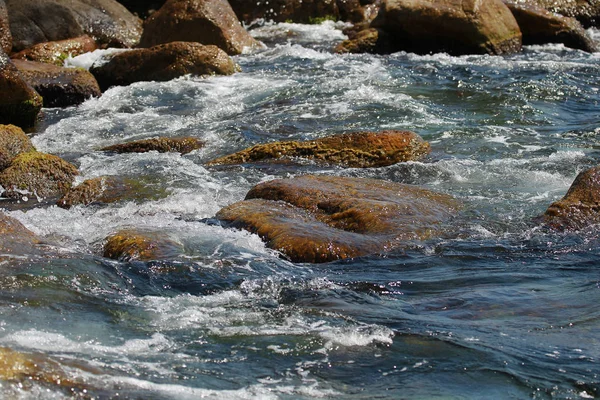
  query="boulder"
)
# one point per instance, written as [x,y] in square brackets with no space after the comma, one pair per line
[110,189]
[57,52]
[203,21]
[5,35]
[20,104]
[13,141]
[326,218]
[585,11]
[142,8]
[357,150]
[181,145]
[59,86]
[453,26]
[162,63]
[580,207]
[369,40]
[40,174]
[39,21]
[132,245]
[540,26]
[16,239]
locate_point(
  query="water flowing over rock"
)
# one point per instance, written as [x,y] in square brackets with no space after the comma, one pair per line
[16,239]
[13,141]
[540,26]
[580,207]
[163,63]
[58,86]
[56,52]
[5,35]
[20,104]
[452,26]
[203,21]
[181,145]
[38,21]
[39,174]
[321,218]
[357,150]
[129,245]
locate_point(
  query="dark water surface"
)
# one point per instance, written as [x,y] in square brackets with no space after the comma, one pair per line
[503,309]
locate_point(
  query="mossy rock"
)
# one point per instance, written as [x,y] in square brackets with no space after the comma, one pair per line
[129,245]
[357,150]
[44,175]
[326,218]
[13,141]
[20,104]
[181,145]
[57,52]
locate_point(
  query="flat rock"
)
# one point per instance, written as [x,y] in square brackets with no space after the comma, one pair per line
[59,86]
[134,245]
[56,52]
[181,145]
[325,218]
[204,21]
[13,141]
[163,63]
[357,150]
[20,104]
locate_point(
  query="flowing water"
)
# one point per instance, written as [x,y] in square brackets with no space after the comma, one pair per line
[503,309]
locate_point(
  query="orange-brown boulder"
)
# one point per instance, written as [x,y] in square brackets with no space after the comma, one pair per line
[580,207]
[203,21]
[56,52]
[357,149]
[131,245]
[585,11]
[20,104]
[13,141]
[325,218]
[181,145]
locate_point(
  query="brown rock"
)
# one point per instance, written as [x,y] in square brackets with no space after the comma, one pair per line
[20,104]
[203,21]
[365,41]
[44,175]
[162,63]
[59,86]
[540,26]
[57,52]
[142,8]
[129,245]
[181,145]
[453,26]
[321,218]
[13,141]
[580,207]
[16,239]
[585,11]
[5,35]
[39,21]
[357,150]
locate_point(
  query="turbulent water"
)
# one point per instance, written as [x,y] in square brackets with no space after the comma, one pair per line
[502,309]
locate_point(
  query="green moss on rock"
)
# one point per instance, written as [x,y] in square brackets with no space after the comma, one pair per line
[13,141]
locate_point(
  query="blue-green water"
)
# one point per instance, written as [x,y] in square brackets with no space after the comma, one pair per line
[504,309]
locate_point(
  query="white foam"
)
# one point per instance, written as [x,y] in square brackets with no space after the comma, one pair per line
[98,57]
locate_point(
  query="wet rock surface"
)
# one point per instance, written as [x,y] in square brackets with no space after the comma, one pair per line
[323,218]
[16,239]
[585,11]
[130,245]
[20,104]
[358,150]
[56,52]
[181,145]
[13,141]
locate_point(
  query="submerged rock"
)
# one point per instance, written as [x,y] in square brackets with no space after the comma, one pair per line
[57,52]
[39,21]
[13,141]
[40,174]
[325,218]
[181,145]
[15,238]
[540,26]
[59,86]
[203,21]
[20,104]
[358,149]
[163,63]
[580,207]
[5,35]
[130,245]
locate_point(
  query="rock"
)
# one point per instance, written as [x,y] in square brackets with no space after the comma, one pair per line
[453,26]
[326,218]
[5,35]
[142,8]
[16,239]
[585,11]
[44,175]
[20,104]
[130,245]
[59,86]
[162,63]
[357,150]
[13,141]
[57,52]
[39,21]
[203,21]
[580,207]
[109,189]
[181,145]
[540,26]
[368,40]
